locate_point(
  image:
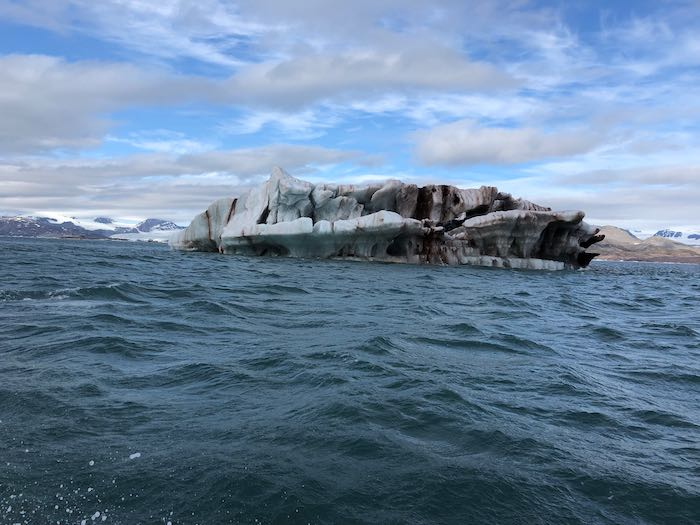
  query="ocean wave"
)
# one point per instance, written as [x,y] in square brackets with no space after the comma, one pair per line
[468,344]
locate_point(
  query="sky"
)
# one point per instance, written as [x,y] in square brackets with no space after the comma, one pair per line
[137,108]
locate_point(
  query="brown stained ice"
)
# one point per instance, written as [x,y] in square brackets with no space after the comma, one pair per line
[392,222]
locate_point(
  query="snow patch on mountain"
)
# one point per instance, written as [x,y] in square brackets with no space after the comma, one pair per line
[98,223]
[150,225]
[59,225]
[691,237]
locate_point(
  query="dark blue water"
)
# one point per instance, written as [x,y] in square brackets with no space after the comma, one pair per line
[154,386]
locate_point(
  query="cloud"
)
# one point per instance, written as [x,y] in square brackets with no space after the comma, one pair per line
[664,175]
[639,207]
[207,30]
[650,200]
[306,124]
[48,103]
[300,81]
[163,141]
[146,184]
[656,194]
[465,143]
[227,34]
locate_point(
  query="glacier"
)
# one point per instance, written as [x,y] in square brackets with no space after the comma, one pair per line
[391,222]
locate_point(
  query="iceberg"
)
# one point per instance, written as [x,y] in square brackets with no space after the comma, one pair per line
[391,222]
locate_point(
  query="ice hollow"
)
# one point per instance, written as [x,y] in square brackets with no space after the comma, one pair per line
[391,222]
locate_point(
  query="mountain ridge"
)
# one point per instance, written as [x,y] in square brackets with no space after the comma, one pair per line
[621,245]
[686,237]
[99,228]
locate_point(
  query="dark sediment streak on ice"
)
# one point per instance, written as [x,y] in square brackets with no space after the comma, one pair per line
[393,222]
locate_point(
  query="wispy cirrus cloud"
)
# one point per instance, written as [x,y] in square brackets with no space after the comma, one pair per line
[163,141]
[210,31]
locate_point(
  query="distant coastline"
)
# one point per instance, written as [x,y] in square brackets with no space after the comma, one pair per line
[101,228]
[621,245]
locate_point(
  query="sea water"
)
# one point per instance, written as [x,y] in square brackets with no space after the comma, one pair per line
[144,385]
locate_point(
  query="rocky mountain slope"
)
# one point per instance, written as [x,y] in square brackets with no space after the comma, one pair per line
[621,245]
[99,228]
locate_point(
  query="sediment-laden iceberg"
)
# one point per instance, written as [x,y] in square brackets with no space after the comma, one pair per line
[391,222]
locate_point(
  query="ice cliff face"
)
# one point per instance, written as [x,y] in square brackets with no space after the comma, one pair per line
[391,222]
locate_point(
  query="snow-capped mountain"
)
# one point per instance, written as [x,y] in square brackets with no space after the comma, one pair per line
[158,230]
[622,245]
[62,226]
[44,227]
[150,225]
[686,237]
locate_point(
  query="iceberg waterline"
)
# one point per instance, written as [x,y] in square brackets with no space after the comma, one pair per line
[391,222]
